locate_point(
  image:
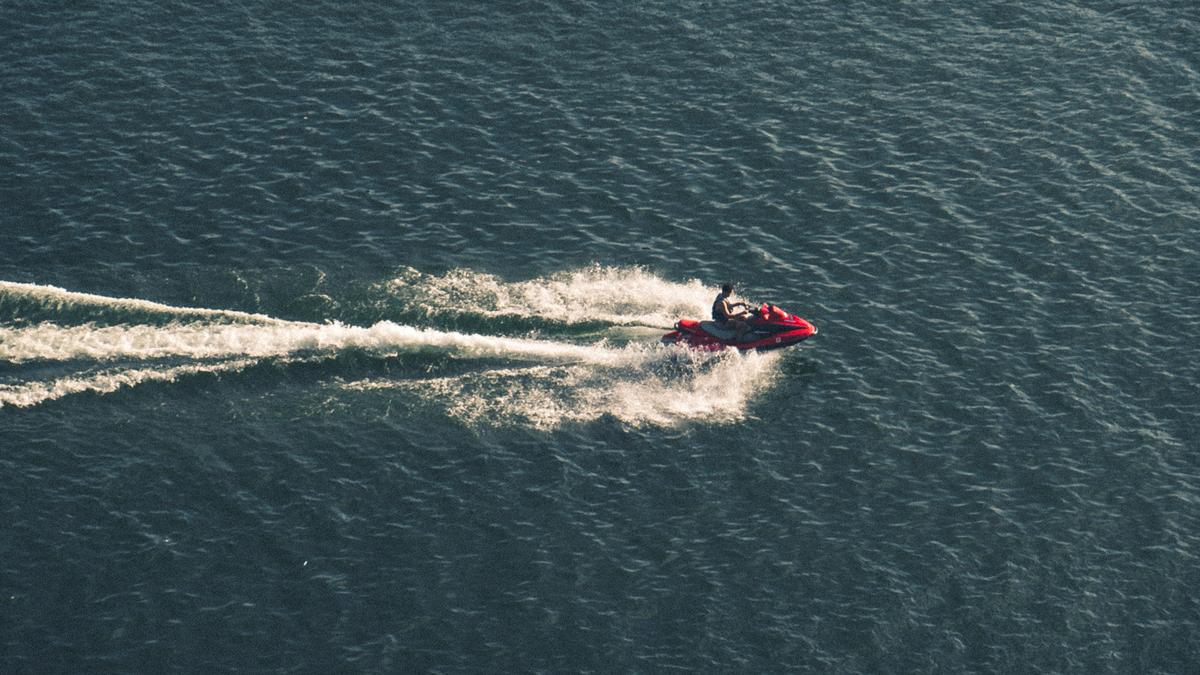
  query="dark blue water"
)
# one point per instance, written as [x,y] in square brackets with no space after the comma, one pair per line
[329,337]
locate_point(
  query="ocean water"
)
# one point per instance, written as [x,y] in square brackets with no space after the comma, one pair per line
[329,337]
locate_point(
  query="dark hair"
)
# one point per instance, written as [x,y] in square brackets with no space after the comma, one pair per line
[727,288]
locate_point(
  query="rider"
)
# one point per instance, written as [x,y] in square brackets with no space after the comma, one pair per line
[723,314]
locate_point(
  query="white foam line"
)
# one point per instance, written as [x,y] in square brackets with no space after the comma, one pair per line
[719,389]
[616,295]
[51,342]
[29,394]
[58,297]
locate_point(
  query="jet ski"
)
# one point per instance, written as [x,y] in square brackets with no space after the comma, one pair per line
[770,328]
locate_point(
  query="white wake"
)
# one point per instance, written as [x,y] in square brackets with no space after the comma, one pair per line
[548,383]
[50,342]
[615,295]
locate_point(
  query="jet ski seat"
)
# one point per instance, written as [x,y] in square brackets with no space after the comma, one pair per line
[717,330]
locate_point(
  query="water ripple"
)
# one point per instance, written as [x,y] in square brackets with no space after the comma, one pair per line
[984,466]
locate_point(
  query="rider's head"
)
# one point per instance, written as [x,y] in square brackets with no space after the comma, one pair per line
[727,288]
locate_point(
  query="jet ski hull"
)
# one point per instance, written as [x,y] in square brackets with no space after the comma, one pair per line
[770,328]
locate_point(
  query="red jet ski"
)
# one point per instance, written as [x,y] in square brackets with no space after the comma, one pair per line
[770,328]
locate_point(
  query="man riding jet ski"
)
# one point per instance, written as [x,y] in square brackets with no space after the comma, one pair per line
[767,327]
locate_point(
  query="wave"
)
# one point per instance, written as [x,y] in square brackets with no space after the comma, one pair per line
[31,303]
[704,387]
[27,394]
[50,342]
[59,342]
[619,296]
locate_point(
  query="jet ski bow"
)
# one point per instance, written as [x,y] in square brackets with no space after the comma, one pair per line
[770,328]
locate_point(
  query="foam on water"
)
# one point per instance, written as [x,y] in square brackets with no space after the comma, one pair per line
[711,387]
[616,295]
[27,394]
[640,382]
[49,342]
[23,299]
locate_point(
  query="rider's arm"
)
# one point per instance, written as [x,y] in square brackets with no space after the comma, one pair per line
[727,310]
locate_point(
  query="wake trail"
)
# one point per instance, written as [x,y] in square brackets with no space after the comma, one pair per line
[50,342]
[710,388]
[55,299]
[28,394]
[619,296]
[59,342]
[216,341]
